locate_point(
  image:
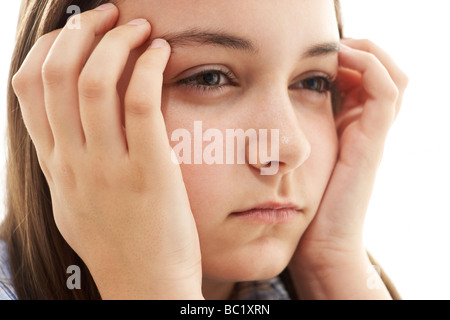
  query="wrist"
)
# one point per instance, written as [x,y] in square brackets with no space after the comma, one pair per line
[339,277]
[151,290]
[124,281]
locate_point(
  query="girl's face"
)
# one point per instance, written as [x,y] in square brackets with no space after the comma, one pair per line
[267,64]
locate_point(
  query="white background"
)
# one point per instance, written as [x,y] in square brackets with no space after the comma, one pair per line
[408,222]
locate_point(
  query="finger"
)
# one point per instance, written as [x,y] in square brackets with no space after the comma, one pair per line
[99,102]
[61,71]
[397,74]
[144,123]
[348,79]
[29,89]
[399,77]
[381,91]
[348,84]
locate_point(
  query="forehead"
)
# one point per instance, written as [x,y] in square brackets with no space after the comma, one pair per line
[265,22]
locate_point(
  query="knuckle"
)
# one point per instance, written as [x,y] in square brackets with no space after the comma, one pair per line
[137,179]
[30,74]
[372,58]
[392,92]
[65,174]
[368,44]
[52,72]
[104,175]
[91,86]
[100,176]
[47,38]
[138,108]
[45,169]
[137,105]
[20,83]
[404,79]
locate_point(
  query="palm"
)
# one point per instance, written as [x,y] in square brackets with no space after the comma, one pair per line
[372,87]
[339,220]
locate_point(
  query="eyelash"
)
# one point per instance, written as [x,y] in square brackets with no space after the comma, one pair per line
[191,82]
[327,84]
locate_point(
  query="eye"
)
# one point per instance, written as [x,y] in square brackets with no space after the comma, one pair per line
[208,80]
[319,84]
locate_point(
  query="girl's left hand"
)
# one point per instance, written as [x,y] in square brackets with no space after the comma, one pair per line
[372,87]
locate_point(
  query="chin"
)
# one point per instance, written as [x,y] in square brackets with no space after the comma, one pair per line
[262,259]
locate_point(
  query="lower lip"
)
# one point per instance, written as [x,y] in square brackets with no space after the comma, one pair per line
[268,216]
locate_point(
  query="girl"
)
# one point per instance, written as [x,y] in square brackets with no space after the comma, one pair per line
[92,108]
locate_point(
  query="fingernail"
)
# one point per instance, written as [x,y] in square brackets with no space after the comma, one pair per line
[136,22]
[158,43]
[105,6]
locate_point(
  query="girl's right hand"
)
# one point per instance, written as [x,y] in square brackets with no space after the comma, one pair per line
[118,199]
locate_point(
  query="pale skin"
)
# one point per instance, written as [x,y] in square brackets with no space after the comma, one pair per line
[151,229]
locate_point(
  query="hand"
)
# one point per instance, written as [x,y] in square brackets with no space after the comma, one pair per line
[118,199]
[372,87]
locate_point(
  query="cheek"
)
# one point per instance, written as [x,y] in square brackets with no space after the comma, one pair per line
[320,165]
[207,186]
[324,141]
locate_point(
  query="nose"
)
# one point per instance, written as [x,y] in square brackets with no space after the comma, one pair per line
[282,144]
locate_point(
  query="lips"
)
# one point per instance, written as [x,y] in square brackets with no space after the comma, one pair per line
[269,212]
[272,205]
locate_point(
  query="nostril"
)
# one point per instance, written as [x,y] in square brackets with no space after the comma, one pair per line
[270,168]
[269,163]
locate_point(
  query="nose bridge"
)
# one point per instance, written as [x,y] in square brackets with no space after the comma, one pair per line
[282,140]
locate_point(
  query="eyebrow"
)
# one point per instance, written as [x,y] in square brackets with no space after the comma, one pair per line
[322,49]
[222,39]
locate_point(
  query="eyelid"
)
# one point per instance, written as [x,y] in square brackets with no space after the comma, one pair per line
[329,80]
[195,71]
[189,82]
[315,74]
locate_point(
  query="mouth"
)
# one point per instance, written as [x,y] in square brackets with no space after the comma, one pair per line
[269,213]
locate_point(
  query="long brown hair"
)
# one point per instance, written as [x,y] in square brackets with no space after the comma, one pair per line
[39,255]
